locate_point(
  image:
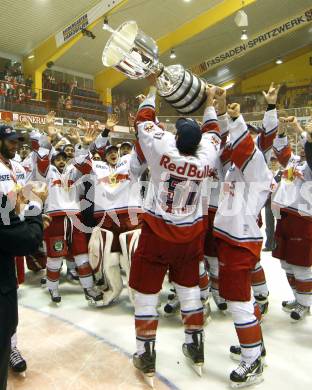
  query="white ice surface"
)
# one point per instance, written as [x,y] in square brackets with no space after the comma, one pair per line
[289,345]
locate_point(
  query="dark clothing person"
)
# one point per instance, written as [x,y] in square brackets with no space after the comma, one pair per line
[308,153]
[269,227]
[16,239]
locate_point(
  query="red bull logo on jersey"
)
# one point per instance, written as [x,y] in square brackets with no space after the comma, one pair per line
[187,169]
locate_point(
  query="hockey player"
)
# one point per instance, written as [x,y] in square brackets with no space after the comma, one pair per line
[125,148]
[63,238]
[24,151]
[264,141]
[247,185]
[117,205]
[173,227]
[211,188]
[294,224]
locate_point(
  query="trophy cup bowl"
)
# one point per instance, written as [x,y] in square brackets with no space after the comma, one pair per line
[130,51]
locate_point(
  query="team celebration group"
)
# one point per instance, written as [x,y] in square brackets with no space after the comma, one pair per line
[185,205]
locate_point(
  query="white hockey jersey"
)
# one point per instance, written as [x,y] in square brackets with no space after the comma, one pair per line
[265,139]
[10,177]
[173,204]
[115,189]
[212,185]
[264,142]
[294,192]
[30,162]
[246,188]
[63,190]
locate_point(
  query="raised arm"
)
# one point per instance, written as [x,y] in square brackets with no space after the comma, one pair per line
[146,127]
[146,111]
[82,160]
[245,155]
[281,145]
[101,141]
[43,152]
[270,123]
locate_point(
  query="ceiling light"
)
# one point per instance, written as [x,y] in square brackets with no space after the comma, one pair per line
[228,86]
[173,54]
[244,36]
[241,19]
[222,72]
[105,23]
[31,56]
[279,61]
[187,1]
[167,120]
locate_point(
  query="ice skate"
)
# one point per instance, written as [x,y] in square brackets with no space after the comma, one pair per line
[207,310]
[247,374]
[299,312]
[146,362]
[222,307]
[172,307]
[72,276]
[263,303]
[220,302]
[17,362]
[195,352]
[55,296]
[43,282]
[94,297]
[236,353]
[288,306]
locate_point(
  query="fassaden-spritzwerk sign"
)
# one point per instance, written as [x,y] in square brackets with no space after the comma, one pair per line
[278,31]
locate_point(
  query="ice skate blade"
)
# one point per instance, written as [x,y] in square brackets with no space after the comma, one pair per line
[293,321]
[251,381]
[96,304]
[21,374]
[235,357]
[149,379]
[207,320]
[56,304]
[198,368]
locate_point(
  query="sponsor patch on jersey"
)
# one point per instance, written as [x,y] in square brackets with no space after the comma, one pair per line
[149,126]
[159,135]
[58,246]
[246,229]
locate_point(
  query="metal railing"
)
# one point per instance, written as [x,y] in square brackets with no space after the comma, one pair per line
[19,97]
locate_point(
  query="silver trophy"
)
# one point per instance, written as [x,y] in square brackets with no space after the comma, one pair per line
[135,54]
